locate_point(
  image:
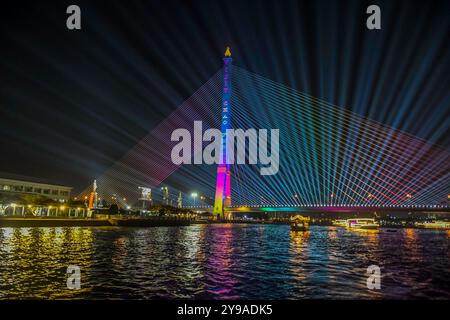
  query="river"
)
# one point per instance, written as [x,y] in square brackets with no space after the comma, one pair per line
[223,261]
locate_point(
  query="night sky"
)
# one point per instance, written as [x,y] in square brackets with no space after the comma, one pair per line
[73,102]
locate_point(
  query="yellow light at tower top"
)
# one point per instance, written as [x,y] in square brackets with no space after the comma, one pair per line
[228,52]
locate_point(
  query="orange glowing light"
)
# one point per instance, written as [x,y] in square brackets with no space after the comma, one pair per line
[228,52]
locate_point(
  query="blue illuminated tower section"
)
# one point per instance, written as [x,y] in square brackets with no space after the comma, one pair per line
[223,183]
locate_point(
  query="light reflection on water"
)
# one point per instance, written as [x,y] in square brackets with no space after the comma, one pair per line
[33,261]
[225,261]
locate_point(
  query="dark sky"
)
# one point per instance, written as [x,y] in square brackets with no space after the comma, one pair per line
[73,102]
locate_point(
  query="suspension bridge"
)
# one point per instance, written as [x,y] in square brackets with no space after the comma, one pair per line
[330,159]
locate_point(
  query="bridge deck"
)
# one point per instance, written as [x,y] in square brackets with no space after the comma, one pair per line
[324,209]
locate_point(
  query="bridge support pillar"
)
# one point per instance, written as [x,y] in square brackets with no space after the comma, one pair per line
[223,183]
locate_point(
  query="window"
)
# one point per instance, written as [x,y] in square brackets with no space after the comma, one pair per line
[46,191]
[18,188]
[64,193]
[37,190]
[28,189]
[55,192]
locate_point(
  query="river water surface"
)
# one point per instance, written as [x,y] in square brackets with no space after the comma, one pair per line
[223,261]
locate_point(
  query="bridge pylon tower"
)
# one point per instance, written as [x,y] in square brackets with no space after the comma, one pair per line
[223,181]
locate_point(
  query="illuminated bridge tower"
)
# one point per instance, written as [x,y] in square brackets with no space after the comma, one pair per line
[223,183]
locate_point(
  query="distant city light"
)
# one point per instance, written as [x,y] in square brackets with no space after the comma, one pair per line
[194,195]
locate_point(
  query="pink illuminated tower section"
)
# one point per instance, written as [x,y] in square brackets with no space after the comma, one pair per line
[223,184]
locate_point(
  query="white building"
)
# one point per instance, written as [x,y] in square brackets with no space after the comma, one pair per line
[22,186]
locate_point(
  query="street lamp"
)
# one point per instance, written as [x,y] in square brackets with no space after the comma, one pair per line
[194,195]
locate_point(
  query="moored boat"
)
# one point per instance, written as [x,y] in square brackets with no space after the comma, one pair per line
[436,224]
[299,223]
[363,223]
[340,223]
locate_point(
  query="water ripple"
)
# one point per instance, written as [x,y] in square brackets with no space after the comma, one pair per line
[227,261]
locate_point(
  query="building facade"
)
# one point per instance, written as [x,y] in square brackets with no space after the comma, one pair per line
[51,191]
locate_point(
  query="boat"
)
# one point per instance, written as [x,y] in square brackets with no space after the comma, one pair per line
[299,223]
[340,223]
[357,223]
[362,223]
[436,224]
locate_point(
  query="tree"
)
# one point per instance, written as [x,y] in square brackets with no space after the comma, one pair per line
[113,209]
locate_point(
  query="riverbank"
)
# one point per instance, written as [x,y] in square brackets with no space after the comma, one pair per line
[115,221]
[91,222]
[120,221]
